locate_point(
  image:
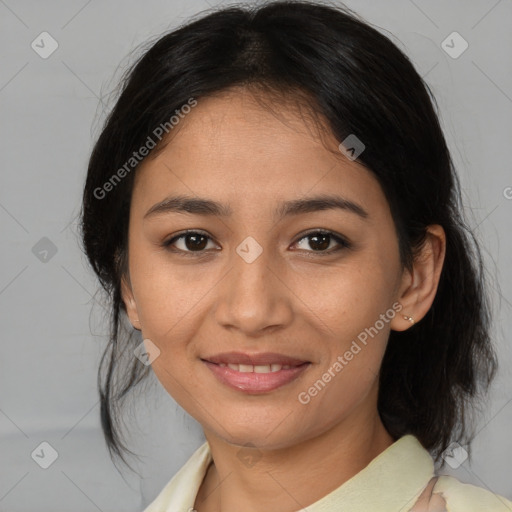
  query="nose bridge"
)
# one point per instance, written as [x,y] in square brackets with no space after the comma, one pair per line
[252,296]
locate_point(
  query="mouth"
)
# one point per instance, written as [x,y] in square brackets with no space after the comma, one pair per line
[255,373]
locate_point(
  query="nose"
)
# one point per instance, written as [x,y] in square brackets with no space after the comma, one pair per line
[254,297]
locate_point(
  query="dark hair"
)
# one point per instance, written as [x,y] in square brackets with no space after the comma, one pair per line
[364,85]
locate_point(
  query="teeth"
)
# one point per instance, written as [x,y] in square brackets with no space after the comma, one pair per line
[263,368]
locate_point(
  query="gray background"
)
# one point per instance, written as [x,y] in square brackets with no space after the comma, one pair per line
[50,115]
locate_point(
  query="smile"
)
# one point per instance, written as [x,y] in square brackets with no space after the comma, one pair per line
[255,374]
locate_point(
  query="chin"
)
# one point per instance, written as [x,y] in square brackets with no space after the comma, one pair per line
[252,435]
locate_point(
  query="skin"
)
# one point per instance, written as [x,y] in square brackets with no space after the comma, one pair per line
[291,299]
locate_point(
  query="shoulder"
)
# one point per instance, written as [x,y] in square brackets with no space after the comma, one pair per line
[461,497]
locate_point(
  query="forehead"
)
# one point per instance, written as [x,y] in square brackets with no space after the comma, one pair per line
[248,146]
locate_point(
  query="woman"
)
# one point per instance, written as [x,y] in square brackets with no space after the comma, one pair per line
[273,207]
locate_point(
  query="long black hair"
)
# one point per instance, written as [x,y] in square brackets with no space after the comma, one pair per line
[362,84]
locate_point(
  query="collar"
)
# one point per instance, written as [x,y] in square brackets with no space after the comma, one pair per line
[391,482]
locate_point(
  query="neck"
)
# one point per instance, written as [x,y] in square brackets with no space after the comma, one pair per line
[291,478]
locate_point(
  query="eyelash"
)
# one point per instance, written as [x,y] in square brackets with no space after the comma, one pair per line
[343,243]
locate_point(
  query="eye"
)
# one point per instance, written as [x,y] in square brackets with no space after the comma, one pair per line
[190,242]
[321,240]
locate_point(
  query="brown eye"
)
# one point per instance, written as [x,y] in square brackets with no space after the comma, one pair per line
[191,241]
[320,241]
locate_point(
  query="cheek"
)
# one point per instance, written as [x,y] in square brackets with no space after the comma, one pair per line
[182,385]
[169,305]
[350,299]
[166,297]
[353,309]
[345,381]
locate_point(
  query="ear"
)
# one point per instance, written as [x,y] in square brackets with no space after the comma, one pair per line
[129,302]
[419,286]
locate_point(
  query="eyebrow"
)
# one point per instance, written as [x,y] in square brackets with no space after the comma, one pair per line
[201,206]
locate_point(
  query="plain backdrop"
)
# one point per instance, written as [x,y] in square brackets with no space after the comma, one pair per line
[52,321]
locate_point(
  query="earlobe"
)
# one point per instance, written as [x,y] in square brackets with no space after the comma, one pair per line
[402,321]
[420,285]
[403,318]
[129,302]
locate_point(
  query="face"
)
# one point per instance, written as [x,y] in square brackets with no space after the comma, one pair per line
[288,294]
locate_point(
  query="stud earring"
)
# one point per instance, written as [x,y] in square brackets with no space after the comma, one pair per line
[409,318]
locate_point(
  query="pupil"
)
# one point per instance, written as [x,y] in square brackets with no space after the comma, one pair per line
[196,242]
[322,245]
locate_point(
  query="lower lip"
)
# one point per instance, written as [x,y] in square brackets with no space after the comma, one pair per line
[251,382]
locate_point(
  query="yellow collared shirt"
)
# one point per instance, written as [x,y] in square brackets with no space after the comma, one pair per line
[392,482]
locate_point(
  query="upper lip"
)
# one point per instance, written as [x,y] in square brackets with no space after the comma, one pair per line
[254,359]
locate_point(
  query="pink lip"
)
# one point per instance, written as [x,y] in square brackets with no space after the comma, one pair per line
[253,383]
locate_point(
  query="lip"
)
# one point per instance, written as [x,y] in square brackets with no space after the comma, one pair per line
[253,382]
